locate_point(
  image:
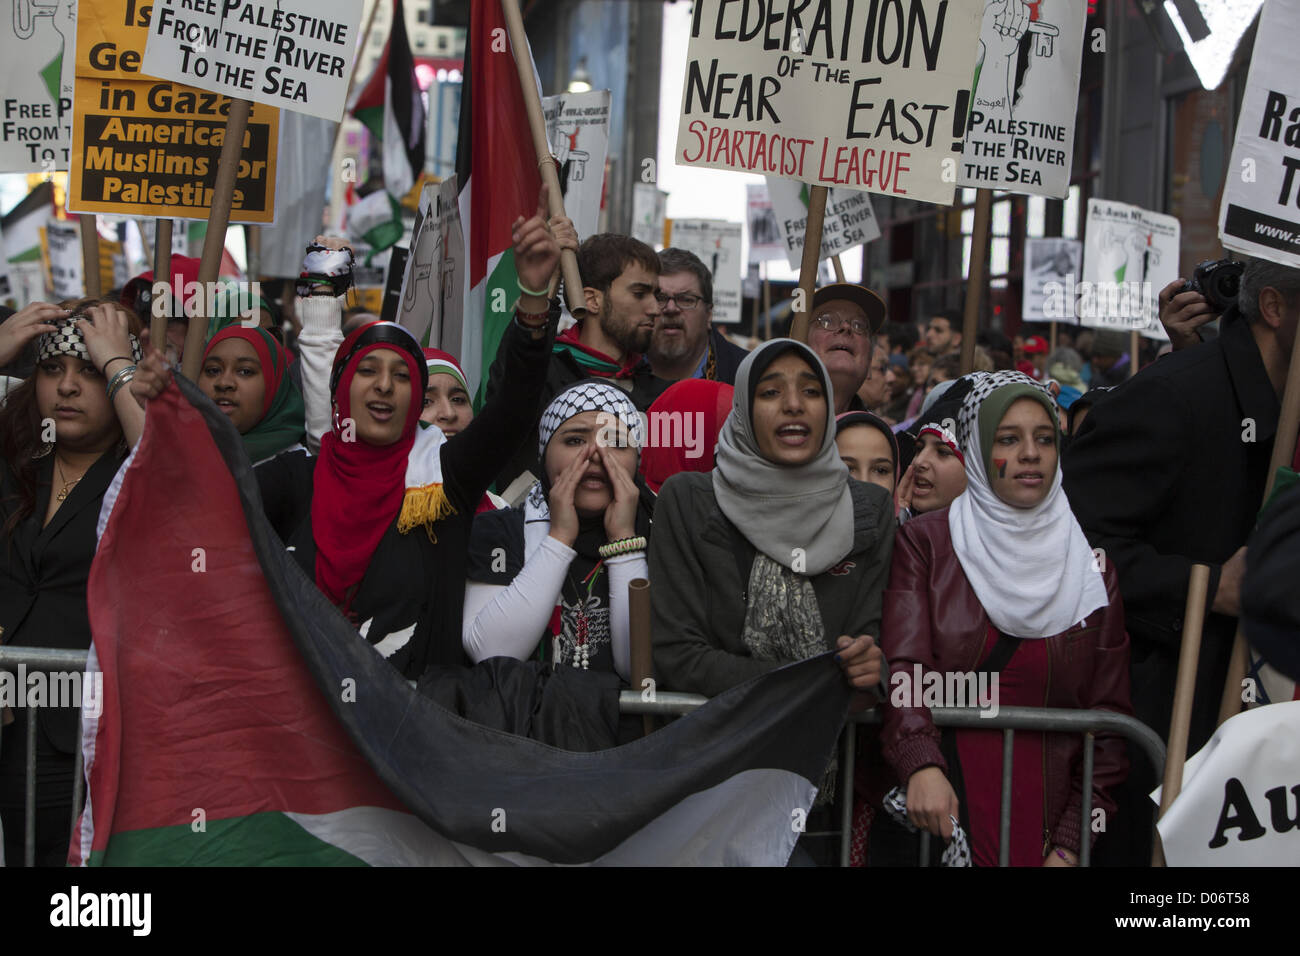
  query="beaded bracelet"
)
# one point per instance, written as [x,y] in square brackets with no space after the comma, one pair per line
[539,319]
[119,379]
[622,546]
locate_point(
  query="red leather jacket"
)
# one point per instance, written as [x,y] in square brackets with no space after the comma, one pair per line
[932,617]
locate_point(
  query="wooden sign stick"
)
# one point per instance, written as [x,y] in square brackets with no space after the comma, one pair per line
[162,258]
[214,242]
[89,255]
[812,250]
[979,247]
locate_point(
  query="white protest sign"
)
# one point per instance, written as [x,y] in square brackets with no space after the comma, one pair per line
[869,95]
[430,304]
[1129,255]
[577,127]
[850,221]
[295,54]
[1260,213]
[649,205]
[63,240]
[1021,135]
[718,244]
[36,80]
[1049,261]
[1240,797]
[765,241]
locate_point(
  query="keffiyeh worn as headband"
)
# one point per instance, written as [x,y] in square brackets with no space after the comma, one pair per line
[589,397]
[68,340]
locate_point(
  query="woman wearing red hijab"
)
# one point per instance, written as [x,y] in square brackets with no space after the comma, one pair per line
[246,372]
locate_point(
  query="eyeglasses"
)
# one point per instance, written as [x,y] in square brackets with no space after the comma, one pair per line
[685,300]
[833,322]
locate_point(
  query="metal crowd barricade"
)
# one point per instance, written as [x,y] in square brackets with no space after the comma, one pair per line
[1089,723]
[44,659]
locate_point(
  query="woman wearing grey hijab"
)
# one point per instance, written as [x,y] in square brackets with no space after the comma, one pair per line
[777,554]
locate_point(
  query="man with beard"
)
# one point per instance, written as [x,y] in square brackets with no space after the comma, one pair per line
[685,344]
[620,280]
[943,333]
[845,321]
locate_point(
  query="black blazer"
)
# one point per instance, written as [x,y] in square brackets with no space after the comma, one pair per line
[43,573]
[1168,470]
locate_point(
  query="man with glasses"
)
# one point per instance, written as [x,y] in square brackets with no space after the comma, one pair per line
[685,344]
[845,320]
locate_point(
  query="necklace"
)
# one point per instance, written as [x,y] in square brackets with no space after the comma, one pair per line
[584,642]
[67,485]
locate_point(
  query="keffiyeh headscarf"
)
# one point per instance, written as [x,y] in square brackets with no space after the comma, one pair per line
[589,397]
[1031,568]
[68,340]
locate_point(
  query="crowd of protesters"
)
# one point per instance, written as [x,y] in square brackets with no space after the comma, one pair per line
[855,494]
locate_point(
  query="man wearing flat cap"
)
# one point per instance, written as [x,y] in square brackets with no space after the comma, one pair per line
[841,329]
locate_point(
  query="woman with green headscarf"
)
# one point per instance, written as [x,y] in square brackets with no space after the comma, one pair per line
[1002,590]
[245,371]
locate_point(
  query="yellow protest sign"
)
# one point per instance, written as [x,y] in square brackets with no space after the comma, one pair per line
[148,147]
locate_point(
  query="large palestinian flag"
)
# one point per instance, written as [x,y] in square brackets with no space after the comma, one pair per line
[244,721]
[498,180]
[390,107]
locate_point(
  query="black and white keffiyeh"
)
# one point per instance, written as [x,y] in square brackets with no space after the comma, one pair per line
[589,397]
[68,340]
[957,853]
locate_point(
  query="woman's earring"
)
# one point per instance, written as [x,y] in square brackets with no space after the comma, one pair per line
[45,450]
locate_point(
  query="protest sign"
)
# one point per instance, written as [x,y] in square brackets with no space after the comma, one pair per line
[717,243]
[849,221]
[1236,804]
[1049,261]
[1129,255]
[146,147]
[765,241]
[577,127]
[61,250]
[871,95]
[649,206]
[431,289]
[1021,133]
[1260,212]
[36,80]
[292,54]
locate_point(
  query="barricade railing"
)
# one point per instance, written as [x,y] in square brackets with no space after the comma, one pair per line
[1089,723]
[44,659]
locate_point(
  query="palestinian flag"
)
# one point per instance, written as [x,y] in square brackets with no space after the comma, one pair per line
[498,183]
[390,107]
[244,721]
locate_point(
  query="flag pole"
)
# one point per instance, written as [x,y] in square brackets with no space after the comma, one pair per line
[89,255]
[812,249]
[162,247]
[545,161]
[979,247]
[356,68]
[1284,443]
[214,242]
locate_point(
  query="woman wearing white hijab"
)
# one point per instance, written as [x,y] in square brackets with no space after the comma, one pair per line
[1003,584]
[777,554]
